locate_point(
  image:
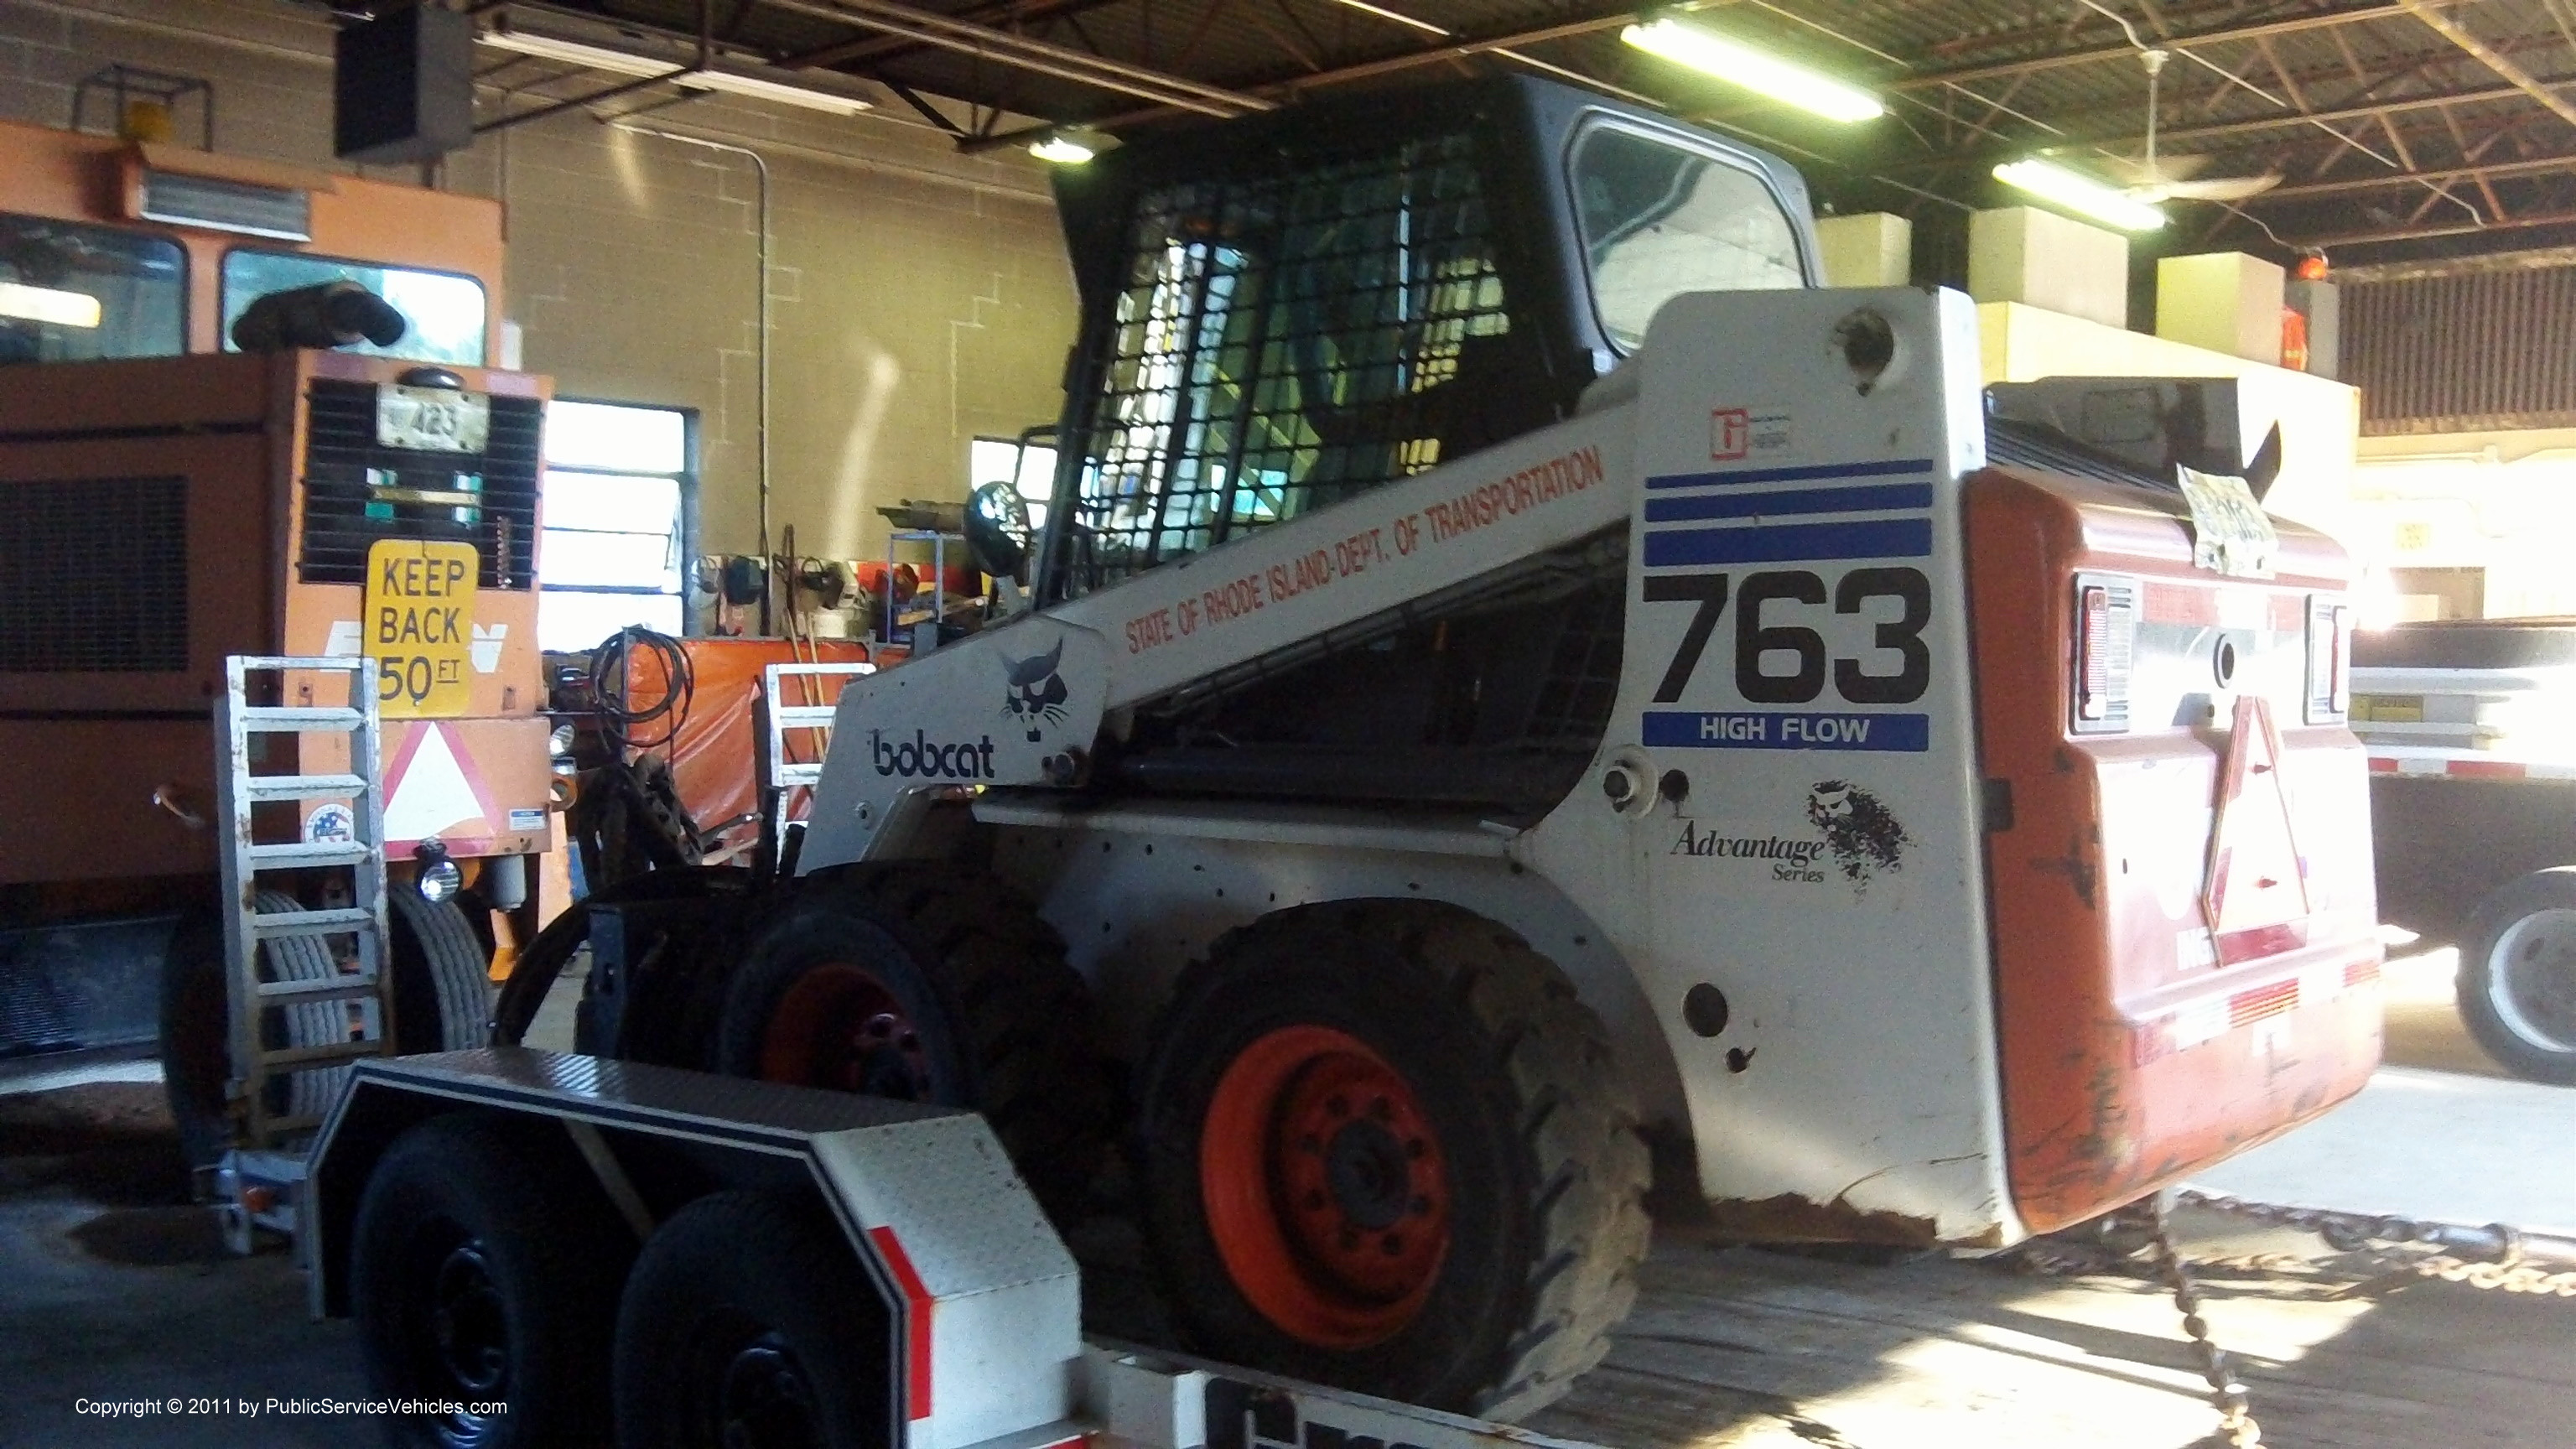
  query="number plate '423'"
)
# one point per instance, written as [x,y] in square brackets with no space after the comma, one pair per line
[432,419]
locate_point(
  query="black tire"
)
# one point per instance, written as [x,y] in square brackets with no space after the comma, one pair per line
[195,1033]
[542,961]
[929,984]
[2517,987]
[1529,1131]
[195,1055]
[485,1268]
[442,975]
[751,1306]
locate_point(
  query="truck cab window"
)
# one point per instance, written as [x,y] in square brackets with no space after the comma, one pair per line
[74,293]
[1660,219]
[445,311]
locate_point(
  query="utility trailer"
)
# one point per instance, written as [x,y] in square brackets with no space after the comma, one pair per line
[2473,806]
[848,1270]
[1527,697]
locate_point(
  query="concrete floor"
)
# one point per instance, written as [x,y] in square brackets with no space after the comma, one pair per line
[111,1288]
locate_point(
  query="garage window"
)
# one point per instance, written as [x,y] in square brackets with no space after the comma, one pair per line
[73,293]
[446,311]
[1660,219]
[620,496]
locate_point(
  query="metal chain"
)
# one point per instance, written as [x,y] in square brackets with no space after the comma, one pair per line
[2226,1391]
[2502,1247]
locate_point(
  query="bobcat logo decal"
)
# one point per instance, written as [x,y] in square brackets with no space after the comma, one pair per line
[1859,829]
[1036,693]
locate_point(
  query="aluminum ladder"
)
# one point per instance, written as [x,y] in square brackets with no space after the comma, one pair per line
[356,1001]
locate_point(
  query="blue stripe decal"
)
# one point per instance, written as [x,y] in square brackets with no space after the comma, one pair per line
[1791,475]
[1790,543]
[1794,500]
[1785,730]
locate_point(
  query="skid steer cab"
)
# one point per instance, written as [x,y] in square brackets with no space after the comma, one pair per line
[1528,695]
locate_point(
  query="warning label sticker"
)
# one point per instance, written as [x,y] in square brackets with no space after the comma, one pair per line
[419,626]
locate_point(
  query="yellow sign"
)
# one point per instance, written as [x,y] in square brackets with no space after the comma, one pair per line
[420,626]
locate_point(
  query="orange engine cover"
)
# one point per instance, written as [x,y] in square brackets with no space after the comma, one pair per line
[2175,980]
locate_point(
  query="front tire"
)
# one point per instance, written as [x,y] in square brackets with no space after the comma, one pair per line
[926,985]
[747,1324]
[2517,986]
[482,1272]
[1383,1148]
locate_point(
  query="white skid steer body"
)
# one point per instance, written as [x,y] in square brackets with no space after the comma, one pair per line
[1779,827]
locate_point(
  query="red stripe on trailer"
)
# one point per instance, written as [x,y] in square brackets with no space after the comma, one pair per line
[2380,766]
[918,1304]
[2484,769]
[2360,973]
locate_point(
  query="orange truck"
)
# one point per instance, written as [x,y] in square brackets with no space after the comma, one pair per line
[167,500]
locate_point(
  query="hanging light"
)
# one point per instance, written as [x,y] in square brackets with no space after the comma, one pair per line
[2081,194]
[1737,63]
[1071,146]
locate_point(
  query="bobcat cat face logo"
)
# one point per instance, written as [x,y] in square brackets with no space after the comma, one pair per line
[1858,828]
[1036,692]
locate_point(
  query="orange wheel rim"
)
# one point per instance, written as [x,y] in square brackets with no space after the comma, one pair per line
[840,1027]
[1325,1187]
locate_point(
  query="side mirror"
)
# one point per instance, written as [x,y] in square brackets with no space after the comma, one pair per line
[997,530]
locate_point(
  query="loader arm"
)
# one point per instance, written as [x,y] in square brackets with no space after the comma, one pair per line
[1022,704]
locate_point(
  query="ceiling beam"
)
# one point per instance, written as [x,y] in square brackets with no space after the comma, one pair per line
[2215,35]
[2537,166]
[1019,51]
[885,47]
[2494,60]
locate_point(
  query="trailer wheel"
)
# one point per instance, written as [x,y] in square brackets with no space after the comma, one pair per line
[1383,1147]
[747,1324]
[484,1272]
[929,985]
[2517,986]
[442,975]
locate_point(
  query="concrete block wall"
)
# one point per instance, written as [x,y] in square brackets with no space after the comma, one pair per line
[919,298]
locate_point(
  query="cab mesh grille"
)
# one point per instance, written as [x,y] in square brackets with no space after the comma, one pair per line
[94,576]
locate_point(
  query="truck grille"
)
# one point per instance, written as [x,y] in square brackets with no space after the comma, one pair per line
[1284,339]
[344,515]
[94,576]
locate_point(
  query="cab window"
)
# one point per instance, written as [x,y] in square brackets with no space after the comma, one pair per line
[72,293]
[446,311]
[1660,219]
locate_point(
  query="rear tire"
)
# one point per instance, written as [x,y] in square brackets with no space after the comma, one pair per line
[926,984]
[747,1321]
[2517,987]
[483,1271]
[442,975]
[1383,1148]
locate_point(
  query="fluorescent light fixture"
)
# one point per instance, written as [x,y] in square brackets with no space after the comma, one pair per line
[1071,146]
[48,305]
[626,62]
[2081,194]
[1739,64]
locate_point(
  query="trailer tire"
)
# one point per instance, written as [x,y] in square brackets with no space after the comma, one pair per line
[2517,987]
[483,1269]
[1326,1085]
[747,1320]
[442,975]
[929,984]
